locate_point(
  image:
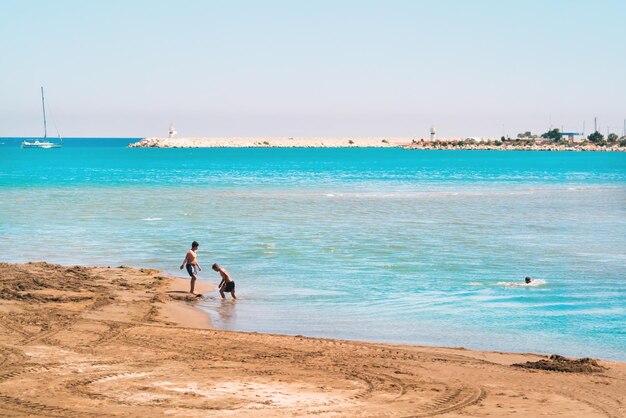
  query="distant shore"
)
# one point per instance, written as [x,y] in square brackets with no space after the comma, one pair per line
[130,341]
[496,145]
[372,142]
[271,142]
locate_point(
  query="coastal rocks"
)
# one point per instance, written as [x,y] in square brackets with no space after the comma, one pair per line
[375,142]
[291,142]
[458,144]
[148,143]
[557,363]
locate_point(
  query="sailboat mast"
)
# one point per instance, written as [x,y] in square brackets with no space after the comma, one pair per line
[45,126]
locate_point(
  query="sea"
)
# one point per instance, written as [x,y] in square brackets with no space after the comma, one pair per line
[390,245]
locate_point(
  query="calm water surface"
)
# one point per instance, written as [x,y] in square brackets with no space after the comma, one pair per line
[423,247]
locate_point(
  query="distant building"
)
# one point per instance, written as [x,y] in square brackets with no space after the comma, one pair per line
[171,133]
[433,133]
[572,136]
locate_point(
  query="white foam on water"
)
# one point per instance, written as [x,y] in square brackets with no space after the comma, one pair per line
[533,283]
[152,219]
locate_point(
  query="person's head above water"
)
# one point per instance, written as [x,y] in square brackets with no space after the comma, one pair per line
[215,267]
[528,279]
[194,245]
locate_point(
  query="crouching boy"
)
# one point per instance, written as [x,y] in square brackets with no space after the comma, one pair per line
[227,284]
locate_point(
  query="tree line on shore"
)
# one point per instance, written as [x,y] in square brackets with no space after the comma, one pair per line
[551,138]
[557,137]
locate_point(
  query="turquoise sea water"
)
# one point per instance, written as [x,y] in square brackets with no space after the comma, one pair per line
[423,247]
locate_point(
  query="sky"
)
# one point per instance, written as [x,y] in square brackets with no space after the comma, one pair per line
[312,68]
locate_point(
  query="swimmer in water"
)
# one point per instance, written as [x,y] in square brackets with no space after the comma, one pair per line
[528,280]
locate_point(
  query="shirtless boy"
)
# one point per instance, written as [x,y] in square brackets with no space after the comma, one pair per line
[191,261]
[227,284]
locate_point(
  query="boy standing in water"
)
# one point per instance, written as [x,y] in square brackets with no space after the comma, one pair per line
[191,261]
[227,284]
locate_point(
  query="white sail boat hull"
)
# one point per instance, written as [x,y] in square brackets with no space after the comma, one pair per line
[39,144]
[45,143]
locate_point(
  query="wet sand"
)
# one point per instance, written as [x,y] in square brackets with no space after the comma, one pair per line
[91,341]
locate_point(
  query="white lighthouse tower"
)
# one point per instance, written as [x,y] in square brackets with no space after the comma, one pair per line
[433,133]
[171,133]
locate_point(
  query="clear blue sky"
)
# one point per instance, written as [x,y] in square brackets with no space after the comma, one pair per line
[312,68]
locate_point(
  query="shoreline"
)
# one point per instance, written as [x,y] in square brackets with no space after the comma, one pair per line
[373,142]
[180,307]
[107,338]
[184,311]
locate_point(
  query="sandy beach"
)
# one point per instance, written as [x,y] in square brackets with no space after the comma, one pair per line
[98,341]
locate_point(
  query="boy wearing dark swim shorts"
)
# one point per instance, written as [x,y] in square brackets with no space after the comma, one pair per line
[227,284]
[191,262]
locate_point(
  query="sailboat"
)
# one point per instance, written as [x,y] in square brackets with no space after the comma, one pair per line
[44,143]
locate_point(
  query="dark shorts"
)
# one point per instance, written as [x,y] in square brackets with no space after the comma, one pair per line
[229,287]
[190,270]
